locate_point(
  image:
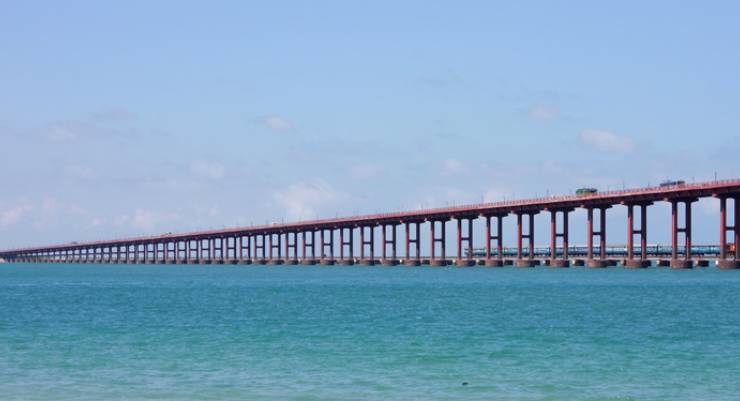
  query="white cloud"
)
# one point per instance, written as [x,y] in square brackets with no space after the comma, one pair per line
[97,221]
[496,195]
[63,132]
[301,200]
[213,170]
[278,124]
[543,112]
[14,215]
[452,166]
[148,220]
[607,141]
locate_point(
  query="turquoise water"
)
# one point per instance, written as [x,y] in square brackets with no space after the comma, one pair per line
[117,332]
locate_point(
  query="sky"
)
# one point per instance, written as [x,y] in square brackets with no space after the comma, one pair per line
[140,117]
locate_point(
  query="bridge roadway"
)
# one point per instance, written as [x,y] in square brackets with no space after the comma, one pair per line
[294,243]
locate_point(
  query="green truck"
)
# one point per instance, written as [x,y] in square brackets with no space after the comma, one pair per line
[586,191]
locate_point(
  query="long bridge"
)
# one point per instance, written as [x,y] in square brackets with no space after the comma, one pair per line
[294,243]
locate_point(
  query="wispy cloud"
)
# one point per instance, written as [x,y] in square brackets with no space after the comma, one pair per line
[607,141]
[277,123]
[14,215]
[543,112]
[452,167]
[301,200]
[145,220]
[212,170]
[64,131]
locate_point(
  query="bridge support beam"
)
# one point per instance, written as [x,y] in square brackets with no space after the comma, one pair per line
[434,240]
[467,238]
[498,260]
[386,241]
[685,262]
[327,242]
[601,262]
[724,262]
[643,262]
[529,236]
[367,241]
[555,261]
[416,260]
[309,244]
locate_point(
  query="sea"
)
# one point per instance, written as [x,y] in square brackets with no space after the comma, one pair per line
[222,332]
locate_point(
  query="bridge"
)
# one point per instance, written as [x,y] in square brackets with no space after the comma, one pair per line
[295,243]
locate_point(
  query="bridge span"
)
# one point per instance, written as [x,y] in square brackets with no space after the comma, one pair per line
[294,243]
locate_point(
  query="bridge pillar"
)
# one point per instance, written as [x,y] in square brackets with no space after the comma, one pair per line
[676,262]
[247,248]
[498,261]
[291,243]
[385,241]
[433,239]
[643,262]
[601,262]
[327,243]
[468,239]
[554,235]
[369,241]
[346,242]
[274,248]
[416,260]
[529,236]
[723,262]
[308,242]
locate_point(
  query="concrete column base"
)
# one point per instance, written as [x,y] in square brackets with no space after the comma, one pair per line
[412,262]
[291,262]
[437,262]
[597,263]
[728,264]
[367,262]
[261,261]
[390,262]
[559,263]
[308,262]
[275,262]
[328,262]
[493,263]
[681,264]
[526,263]
[245,262]
[464,263]
[636,264]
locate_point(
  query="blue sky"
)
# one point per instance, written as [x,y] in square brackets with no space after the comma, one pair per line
[146,117]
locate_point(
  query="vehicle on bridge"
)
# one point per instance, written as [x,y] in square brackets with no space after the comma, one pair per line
[586,191]
[671,183]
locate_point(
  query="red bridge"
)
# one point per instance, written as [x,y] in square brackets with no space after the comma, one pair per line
[295,243]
